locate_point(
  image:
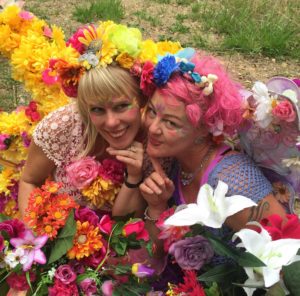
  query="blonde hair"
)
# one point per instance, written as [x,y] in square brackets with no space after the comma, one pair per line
[99,85]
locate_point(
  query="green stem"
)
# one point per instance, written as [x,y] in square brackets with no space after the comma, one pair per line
[108,249]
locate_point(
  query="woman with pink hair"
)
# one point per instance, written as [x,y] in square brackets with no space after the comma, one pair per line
[193,114]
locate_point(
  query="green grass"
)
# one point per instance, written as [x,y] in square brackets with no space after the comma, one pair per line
[99,10]
[179,27]
[143,15]
[163,1]
[268,27]
[11,92]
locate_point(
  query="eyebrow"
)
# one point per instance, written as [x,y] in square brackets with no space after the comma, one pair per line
[166,114]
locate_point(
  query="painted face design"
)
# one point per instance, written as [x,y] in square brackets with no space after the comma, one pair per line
[118,121]
[170,133]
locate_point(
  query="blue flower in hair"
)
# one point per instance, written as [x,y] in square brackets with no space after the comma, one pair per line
[164,69]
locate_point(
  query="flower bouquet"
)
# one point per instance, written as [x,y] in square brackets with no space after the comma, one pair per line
[70,250]
[262,256]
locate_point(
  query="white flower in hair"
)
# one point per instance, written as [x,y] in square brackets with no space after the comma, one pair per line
[263,112]
[209,82]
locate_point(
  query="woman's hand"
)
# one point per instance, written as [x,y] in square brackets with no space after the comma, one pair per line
[157,190]
[133,158]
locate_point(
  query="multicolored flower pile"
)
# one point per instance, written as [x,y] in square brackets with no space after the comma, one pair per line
[71,250]
[259,256]
[98,182]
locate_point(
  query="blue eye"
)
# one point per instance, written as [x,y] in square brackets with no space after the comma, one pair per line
[97,110]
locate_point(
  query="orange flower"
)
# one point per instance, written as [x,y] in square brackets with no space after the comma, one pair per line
[87,241]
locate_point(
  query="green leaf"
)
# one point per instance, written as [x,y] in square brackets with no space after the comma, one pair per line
[28,279]
[149,248]
[221,273]
[291,275]
[118,228]
[4,287]
[122,269]
[249,260]
[4,218]
[120,247]
[64,240]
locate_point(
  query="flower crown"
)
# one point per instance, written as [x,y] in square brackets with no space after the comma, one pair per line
[100,45]
[158,75]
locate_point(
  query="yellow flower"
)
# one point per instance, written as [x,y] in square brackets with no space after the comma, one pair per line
[100,192]
[87,241]
[149,51]
[164,47]
[125,60]
[107,53]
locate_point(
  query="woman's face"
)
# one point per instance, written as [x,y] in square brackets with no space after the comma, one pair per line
[117,121]
[170,134]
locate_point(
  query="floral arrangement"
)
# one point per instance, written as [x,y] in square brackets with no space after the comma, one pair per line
[71,250]
[263,255]
[99,183]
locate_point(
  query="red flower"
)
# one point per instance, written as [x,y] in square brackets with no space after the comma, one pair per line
[19,281]
[190,286]
[137,226]
[60,289]
[278,230]
[31,112]
[147,85]
[106,224]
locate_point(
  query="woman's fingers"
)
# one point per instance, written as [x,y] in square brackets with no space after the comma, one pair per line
[157,166]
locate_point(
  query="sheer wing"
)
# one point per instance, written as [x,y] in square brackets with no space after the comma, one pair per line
[272,135]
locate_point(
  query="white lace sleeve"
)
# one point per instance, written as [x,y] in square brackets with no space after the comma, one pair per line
[59,134]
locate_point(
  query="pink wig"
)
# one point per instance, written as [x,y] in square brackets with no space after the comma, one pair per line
[223,105]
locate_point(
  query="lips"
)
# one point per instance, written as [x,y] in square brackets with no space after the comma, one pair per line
[117,134]
[154,142]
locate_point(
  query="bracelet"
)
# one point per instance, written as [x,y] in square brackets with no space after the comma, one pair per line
[147,217]
[131,185]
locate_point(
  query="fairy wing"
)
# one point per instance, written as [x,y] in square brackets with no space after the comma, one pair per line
[272,134]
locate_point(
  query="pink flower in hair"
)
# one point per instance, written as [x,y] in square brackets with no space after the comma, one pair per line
[26,15]
[74,40]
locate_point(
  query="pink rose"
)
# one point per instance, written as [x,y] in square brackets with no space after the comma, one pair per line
[65,274]
[96,258]
[146,84]
[107,288]
[136,69]
[82,172]
[88,287]
[86,214]
[136,226]
[284,111]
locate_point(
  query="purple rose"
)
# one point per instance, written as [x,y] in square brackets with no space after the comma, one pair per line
[65,274]
[86,214]
[88,287]
[192,252]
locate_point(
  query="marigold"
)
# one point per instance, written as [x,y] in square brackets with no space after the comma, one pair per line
[100,192]
[149,51]
[125,60]
[86,242]
[164,47]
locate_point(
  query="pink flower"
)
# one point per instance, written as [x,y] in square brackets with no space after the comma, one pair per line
[48,77]
[88,287]
[136,226]
[74,40]
[141,271]
[284,111]
[65,274]
[112,169]
[106,224]
[86,214]
[1,243]
[32,246]
[14,228]
[5,141]
[146,84]
[82,172]
[48,32]
[136,69]
[107,288]
[26,15]
[19,282]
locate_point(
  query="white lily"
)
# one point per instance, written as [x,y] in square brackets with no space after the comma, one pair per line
[274,254]
[263,112]
[212,207]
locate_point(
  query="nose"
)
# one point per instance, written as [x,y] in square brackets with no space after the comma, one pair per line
[154,126]
[112,119]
